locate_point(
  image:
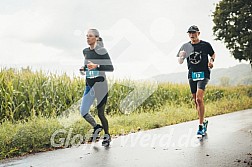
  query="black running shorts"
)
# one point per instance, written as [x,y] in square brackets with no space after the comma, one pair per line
[201,84]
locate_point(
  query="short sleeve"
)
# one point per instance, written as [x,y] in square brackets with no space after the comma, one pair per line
[210,50]
[181,48]
[85,51]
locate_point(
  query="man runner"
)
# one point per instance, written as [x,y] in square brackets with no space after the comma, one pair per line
[196,53]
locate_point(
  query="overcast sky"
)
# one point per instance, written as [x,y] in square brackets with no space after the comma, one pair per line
[142,36]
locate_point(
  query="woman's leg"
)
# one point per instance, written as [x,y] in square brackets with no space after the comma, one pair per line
[101,115]
[101,93]
[87,101]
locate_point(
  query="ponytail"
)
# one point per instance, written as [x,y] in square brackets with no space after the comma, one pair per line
[100,42]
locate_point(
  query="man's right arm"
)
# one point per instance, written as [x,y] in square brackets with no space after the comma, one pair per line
[181,56]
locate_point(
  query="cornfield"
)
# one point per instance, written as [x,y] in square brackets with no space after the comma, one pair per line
[25,94]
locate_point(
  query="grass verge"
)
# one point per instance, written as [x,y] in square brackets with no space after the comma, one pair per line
[35,134]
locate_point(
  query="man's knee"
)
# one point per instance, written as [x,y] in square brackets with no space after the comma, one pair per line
[199,100]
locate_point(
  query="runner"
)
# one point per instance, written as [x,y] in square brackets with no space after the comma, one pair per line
[196,53]
[97,61]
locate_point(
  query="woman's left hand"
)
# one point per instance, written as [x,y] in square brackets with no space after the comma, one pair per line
[91,65]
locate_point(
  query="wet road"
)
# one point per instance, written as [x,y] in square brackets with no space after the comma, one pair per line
[228,143]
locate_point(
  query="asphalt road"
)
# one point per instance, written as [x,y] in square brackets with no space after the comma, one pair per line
[228,143]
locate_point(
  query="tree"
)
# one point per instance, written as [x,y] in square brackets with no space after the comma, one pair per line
[233,25]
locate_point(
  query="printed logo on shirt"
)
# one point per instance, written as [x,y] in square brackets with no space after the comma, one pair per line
[195,57]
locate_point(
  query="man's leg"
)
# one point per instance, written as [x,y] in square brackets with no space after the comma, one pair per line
[200,105]
[197,90]
[194,99]
[198,94]
[193,87]
[201,85]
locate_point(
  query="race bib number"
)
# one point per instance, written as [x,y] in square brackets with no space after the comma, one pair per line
[196,76]
[92,73]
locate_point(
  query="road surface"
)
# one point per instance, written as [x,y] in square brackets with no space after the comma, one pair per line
[228,143]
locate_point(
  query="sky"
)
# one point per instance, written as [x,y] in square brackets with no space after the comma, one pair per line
[142,36]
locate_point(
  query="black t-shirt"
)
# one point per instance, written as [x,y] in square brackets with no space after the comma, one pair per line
[197,61]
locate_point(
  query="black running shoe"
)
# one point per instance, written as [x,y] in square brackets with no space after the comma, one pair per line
[106,140]
[95,134]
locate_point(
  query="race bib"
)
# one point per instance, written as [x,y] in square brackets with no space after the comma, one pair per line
[196,76]
[92,73]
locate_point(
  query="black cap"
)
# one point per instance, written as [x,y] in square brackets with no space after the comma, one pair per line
[193,29]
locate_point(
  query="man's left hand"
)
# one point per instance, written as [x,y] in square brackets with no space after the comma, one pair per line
[210,65]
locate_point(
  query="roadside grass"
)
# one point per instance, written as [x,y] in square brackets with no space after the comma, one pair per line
[34,135]
[169,115]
